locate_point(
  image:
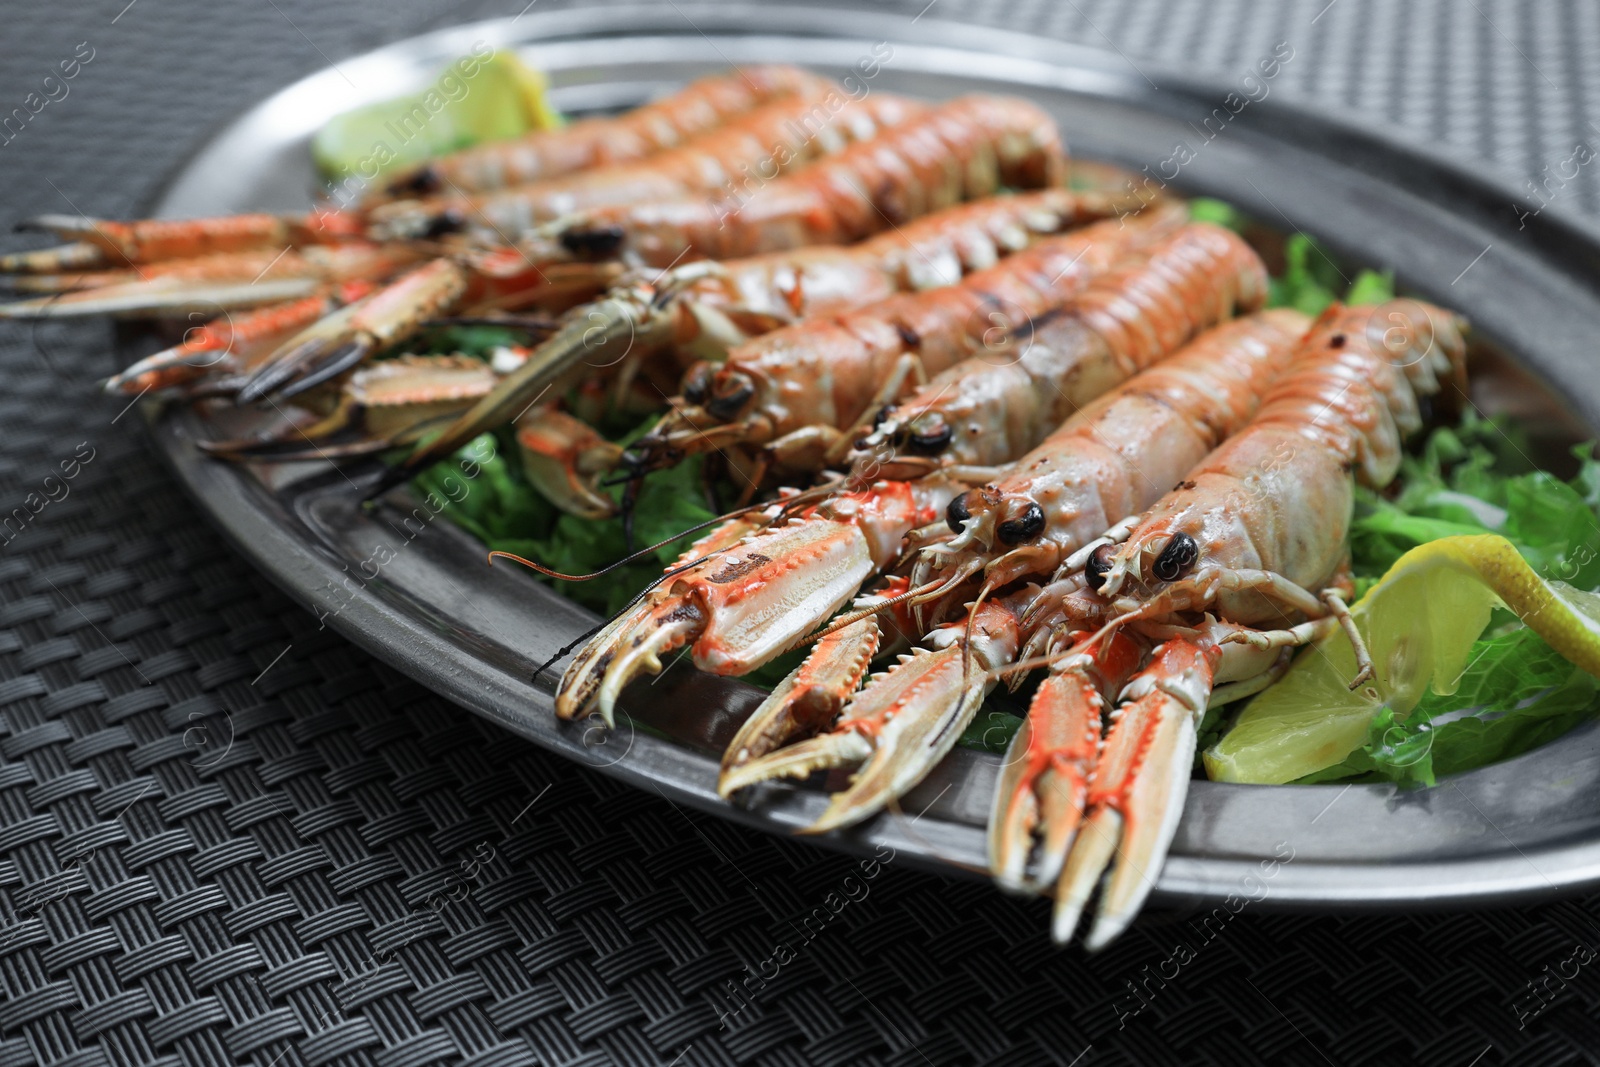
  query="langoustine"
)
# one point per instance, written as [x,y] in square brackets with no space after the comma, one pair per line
[779,134]
[741,610]
[644,131]
[585,145]
[705,309]
[903,173]
[1109,461]
[802,396]
[1256,534]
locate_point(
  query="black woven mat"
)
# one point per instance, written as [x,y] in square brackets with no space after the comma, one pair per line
[227,837]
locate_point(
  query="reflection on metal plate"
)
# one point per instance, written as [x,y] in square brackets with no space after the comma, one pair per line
[435,611]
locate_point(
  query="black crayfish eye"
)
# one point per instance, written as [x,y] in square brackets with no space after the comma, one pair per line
[423,181]
[957,513]
[734,393]
[1099,565]
[696,383]
[1179,555]
[1024,527]
[929,435]
[598,241]
[449,220]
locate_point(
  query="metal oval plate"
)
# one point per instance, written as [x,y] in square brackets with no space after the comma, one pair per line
[433,609]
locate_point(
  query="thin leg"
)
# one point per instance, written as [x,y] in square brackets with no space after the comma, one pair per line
[806,447]
[1363,657]
[973,475]
[1292,637]
[1249,687]
[1276,586]
[710,468]
[626,372]
[906,367]
[1121,531]
[763,464]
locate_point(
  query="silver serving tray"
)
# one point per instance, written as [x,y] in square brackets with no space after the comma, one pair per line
[1524,828]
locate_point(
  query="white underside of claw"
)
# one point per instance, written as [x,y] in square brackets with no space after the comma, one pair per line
[1190,689]
[920,708]
[1143,768]
[782,584]
[1092,850]
[1156,803]
[1010,834]
[818,753]
[807,700]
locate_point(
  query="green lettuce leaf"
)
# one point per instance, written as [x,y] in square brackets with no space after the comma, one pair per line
[1473,479]
[508,515]
[1516,694]
[1310,281]
[1371,287]
[1205,209]
[1519,692]
[477,341]
[991,729]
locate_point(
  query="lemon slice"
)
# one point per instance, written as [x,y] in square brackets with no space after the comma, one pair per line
[502,98]
[1420,621]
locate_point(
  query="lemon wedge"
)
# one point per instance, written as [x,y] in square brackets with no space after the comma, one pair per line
[1420,621]
[501,97]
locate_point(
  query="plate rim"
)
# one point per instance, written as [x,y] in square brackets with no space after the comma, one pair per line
[380,628]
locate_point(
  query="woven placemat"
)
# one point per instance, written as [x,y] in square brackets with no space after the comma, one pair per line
[229,837]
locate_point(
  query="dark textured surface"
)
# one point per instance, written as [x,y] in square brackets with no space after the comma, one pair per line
[228,837]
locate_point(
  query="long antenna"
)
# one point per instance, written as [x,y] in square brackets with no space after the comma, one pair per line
[630,558]
[854,616]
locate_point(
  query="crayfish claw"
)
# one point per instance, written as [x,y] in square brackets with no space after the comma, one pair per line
[575,695]
[903,723]
[808,700]
[643,656]
[890,729]
[740,604]
[577,338]
[1040,799]
[563,457]
[1136,798]
[1043,783]
[823,752]
[344,339]
[1092,852]
[914,716]
[330,363]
